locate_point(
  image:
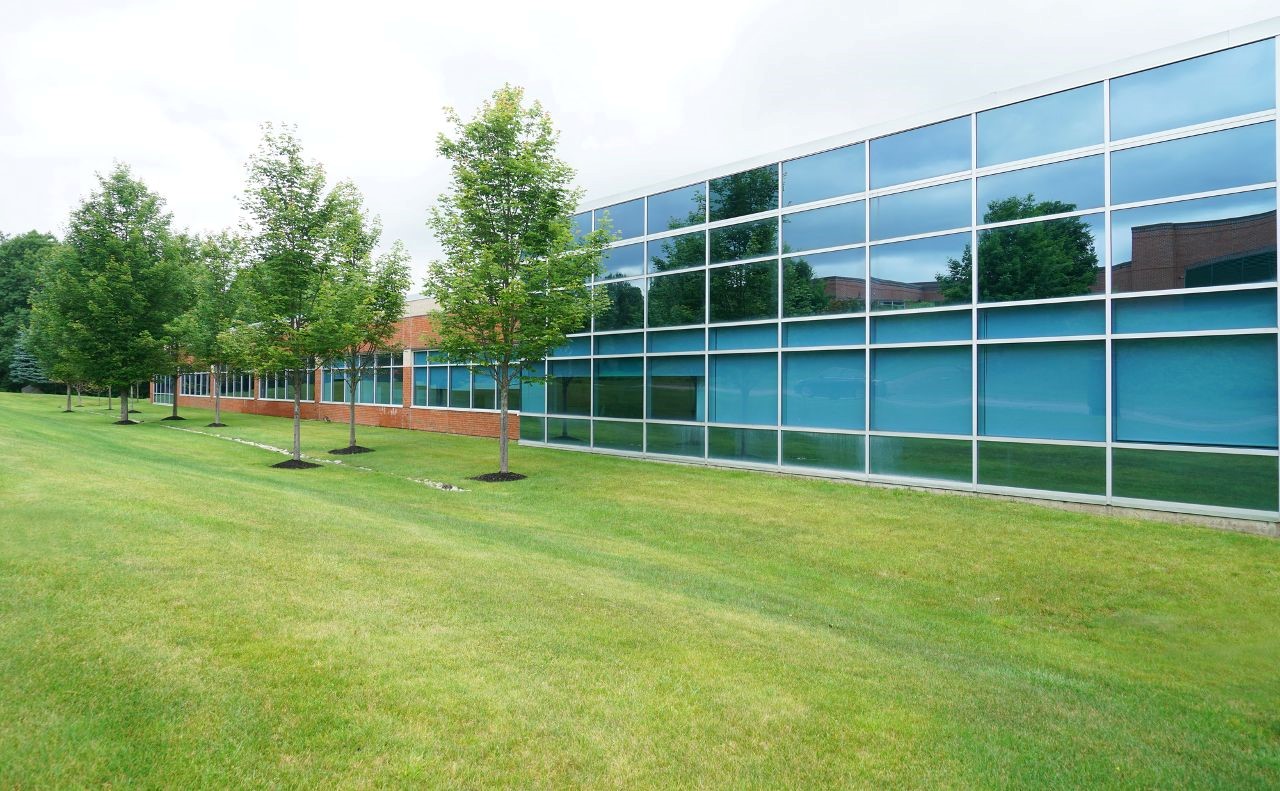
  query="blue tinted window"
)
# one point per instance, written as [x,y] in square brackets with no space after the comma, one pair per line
[625,219]
[923,390]
[743,193]
[1047,189]
[626,343]
[483,391]
[743,444]
[744,389]
[921,211]
[823,450]
[533,429]
[1196,391]
[419,386]
[1204,242]
[678,208]
[623,261]
[841,171]
[569,387]
[419,358]
[951,325]
[459,387]
[751,336]
[581,225]
[745,292]
[906,274]
[1202,163]
[677,299]
[1226,310]
[678,252]
[568,431]
[836,332]
[833,226]
[438,386]
[833,282]
[824,389]
[1030,321]
[920,153]
[620,388]
[1224,84]
[676,341]
[922,457]
[1043,390]
[676,390]
[1040,260]
[573,347]
[533,394]
[1058,122]
[674,440]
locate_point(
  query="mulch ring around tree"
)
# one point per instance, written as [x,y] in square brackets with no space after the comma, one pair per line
[350,450]
[125,423]
[498,477]
[295,464]
[173,417]
[215,425]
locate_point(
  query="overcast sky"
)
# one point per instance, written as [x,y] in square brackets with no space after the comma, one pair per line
[641,92]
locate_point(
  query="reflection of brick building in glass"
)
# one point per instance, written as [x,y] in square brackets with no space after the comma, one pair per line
[1192,254]
[889,293]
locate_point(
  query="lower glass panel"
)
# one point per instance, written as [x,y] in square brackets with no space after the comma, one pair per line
[743,444]
[675,440]
[532,428]
[619,436]
[676,388]
[620,387]
[568,431]
[826,451]
[1223,479]
[922,457]
[569,387]
[1223,310]
[1056,468]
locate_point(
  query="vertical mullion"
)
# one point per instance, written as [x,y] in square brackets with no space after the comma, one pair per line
[1108,356]
[866,310]
[973,299]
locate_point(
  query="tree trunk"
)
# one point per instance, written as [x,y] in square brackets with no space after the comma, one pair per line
[173,409]
[79,396]
[504,388]
[68,409]
[217,396]
[351,402]
[297,416]
[108,398]
[124,405]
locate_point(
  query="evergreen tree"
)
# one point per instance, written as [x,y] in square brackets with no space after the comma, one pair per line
[20,260]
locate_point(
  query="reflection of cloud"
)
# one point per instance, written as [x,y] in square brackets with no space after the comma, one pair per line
[918,260]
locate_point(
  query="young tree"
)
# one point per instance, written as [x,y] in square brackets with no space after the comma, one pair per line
[25,368]
[201,332]
[20,259]
[513,281]
[289,248]
[365,300]
[112,287]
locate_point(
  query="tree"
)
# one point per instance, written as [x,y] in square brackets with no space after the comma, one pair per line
[111,288]
[20,260]
[365,300]
[513,281]
[177,333]
[199,333]
[1037,260]
[24,368]
[290,250]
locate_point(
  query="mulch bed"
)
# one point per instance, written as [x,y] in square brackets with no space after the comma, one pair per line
[295,464]
[173,417]
[349,450]
[498,477]
[215,425]
[125,423]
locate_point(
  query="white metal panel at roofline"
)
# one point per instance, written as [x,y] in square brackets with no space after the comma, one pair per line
[1264,29]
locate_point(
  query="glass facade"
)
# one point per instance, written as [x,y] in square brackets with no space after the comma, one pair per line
[378,378]
[1070,295]
[440,384]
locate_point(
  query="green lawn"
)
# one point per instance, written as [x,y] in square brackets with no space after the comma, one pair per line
[174,612]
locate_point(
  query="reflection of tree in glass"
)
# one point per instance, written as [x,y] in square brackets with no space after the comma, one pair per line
[626,308]
[677,299]
[741,293]
[1054,258]
[803,294]
[744,193]
[678,252]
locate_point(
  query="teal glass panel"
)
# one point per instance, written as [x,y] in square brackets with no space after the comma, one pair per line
[533,429]
[922,457]
[620,388]
[438,386]
[568,431]
[484,391]
[1220,479]
[1222,310]
[617,435]
[1040,321]
[569,387]
[823,451]
[420,358]
[1079,469]
[922,390]
[533,395]
[742,444]
[574,347]
[744,388]
[1218,390]
[676,341]
[824,389]
[628,343]
[676,388]
[674,440]
[950,325]
[750,336]
[459,387]
[831,332]
[1043,390]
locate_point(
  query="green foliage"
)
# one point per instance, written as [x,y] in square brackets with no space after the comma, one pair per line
[198,335]
[513,281]
[24,368]
[1035,260]
[114,284]
[20,260]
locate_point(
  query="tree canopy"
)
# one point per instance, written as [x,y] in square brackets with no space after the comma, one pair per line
[21,257]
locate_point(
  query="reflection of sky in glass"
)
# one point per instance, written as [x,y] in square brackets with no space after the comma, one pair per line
[920,153]
[1058,122]
[1078,182]
[581,224]
[623,261]
[1219,208]
[920,211]
[677,208]
[626,219]
[841,263]
[829,227]
[678,252]
[1221,85]
[1230,158]
[826,175]
[918,260]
